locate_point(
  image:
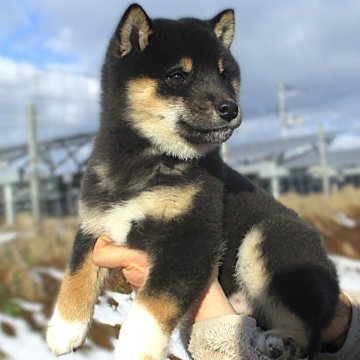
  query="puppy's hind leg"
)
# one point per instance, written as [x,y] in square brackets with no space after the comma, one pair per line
[76,300]
[291,284]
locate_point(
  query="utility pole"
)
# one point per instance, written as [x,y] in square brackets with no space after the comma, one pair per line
[323,160]
[33,162]
[9,204]
[282,109]
[8,177]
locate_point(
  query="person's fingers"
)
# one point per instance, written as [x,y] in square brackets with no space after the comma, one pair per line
[111,256]
[136,276]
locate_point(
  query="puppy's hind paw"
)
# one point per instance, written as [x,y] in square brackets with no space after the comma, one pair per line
[276,347]
[63,336]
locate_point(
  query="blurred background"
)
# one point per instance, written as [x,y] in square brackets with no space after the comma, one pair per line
[300,138]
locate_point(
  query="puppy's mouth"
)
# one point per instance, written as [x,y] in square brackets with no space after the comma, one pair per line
[206,135]
[200,129]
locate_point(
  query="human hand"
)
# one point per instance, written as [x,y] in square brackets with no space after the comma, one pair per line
[334,336]
[213,303]
[135,264]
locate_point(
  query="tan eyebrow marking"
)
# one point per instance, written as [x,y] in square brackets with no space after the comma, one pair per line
[221,66]
[236,85]
[186,64]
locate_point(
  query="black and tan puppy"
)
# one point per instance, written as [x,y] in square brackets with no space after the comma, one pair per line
[155,182]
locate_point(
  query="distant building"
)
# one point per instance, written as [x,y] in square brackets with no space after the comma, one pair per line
[300,164]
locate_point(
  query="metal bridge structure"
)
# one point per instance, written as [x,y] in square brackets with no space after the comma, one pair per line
[44,176]
[70,153]
[278,165]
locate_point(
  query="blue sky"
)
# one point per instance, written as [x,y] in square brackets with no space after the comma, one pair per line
[53,50]
[24,38]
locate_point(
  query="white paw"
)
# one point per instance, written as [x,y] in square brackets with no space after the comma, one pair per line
[276,347]
[63,336]
[141,337]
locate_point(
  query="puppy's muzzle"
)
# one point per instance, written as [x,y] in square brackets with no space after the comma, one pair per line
[228,110]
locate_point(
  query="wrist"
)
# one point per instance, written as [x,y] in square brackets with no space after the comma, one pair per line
[334,336]
[214,303]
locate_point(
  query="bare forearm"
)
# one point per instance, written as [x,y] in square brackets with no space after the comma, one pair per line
[213,304]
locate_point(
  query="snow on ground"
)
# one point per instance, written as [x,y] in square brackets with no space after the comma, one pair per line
[349,273]
[7,236]
[28,344]
[52,272]
[33,346]
[114,315]
[344,220]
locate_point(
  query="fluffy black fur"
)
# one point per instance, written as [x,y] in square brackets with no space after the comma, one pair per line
[186,248]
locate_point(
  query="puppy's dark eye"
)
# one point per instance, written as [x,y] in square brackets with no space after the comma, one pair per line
[176,78]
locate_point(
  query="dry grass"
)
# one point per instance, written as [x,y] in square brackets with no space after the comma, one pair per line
[323,213]
[50,247]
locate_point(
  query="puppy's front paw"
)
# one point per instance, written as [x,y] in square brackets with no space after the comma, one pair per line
[63,336]
[276,347]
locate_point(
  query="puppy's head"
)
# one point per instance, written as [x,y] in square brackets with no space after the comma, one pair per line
[177,79]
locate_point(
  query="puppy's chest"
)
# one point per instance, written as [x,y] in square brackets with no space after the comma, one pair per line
[161,196]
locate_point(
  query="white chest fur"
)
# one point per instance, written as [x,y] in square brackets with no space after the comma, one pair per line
[160,203]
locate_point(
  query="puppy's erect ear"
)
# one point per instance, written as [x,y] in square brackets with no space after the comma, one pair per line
[224,27]
[134,30]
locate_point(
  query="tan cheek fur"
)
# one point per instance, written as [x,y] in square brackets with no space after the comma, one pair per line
[156,118]
[236,86]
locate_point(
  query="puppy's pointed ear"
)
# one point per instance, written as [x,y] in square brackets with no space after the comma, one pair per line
[224,27]
[134,30]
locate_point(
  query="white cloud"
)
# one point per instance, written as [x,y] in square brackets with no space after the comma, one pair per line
[62,42]
[310,45]
[346,141]
[67,102]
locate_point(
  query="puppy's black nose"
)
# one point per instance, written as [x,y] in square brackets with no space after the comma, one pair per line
[228,110]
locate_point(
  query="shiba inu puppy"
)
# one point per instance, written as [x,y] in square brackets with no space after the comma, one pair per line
[155,182]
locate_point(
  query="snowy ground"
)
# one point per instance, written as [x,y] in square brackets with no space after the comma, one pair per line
[30,345]
[27,344]
[349,273]
[7,236]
